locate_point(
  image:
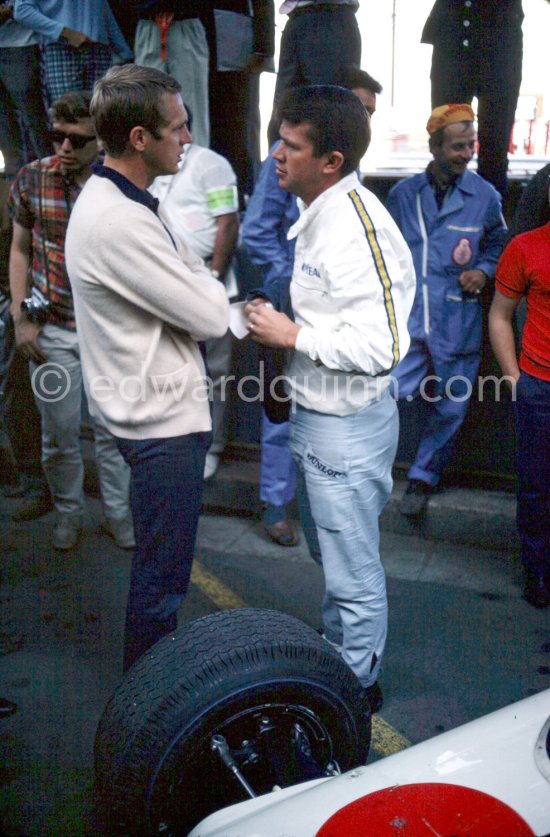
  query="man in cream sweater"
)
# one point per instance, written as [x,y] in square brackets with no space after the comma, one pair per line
[143,302]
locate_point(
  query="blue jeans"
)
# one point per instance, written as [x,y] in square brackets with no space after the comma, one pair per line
[24,132]
[533,510]
[345,466]
[165,497]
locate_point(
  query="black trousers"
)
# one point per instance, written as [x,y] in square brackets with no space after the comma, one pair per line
[490,70]
[21,416]
[318,46]
[230,104]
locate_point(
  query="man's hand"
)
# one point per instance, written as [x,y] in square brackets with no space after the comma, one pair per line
[473,281]
[75,39]
[26,340]
[270,327]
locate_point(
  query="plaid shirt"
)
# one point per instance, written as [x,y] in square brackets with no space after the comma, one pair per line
[41,199]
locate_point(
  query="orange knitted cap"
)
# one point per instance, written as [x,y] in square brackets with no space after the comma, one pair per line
[447,114]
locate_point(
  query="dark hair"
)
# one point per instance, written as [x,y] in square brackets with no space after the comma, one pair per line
[335,119]
[438,137]
[71,106]
[126,96]
[354,77]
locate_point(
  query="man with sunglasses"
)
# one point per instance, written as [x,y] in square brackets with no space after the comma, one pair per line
[40,202]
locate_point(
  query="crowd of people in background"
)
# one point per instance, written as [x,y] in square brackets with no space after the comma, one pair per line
[217,198]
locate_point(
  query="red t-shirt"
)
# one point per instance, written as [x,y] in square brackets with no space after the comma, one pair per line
[524,270]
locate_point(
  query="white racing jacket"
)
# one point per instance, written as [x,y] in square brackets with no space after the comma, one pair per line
[352,290]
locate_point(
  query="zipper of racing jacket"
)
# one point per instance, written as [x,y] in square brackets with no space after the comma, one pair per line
[424,234]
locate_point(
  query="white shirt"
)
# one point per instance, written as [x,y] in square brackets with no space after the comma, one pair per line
[204,188]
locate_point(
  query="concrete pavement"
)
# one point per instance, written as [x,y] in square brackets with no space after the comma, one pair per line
[457,515]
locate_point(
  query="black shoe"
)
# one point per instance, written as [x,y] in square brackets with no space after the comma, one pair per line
[7,708]
[14,489]
[33,506]
[535,590]
[415,498]
[376,698]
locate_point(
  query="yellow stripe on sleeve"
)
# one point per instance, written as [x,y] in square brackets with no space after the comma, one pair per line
[381,270]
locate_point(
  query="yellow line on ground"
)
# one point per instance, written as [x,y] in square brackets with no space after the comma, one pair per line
[214,589]
[385,739]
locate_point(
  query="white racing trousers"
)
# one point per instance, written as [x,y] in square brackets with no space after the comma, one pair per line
[345,465]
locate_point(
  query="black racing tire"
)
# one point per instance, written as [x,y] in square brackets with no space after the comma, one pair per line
[258,677]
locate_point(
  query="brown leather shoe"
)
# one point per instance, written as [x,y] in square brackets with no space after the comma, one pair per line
[415,499]
[282,532]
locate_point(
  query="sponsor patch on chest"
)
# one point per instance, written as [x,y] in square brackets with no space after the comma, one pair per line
[310,270]
[463,253]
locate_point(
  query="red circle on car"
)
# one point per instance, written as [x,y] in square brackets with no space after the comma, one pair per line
[425,810]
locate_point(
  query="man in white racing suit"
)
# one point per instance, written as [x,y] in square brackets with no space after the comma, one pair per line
[352,289]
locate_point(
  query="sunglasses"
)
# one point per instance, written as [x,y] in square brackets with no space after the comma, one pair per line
[77,140]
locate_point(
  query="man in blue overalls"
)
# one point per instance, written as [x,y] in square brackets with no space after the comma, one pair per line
[452,221]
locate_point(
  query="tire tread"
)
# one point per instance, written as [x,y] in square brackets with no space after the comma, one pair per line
[192,665]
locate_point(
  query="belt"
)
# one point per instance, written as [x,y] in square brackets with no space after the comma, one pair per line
[321,7]
[177,15]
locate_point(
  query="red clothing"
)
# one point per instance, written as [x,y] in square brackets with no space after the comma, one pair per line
[524,270]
